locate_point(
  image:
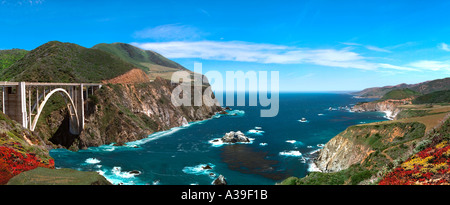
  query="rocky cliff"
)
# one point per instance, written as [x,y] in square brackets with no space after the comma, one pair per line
[119,113]
[357,143]
[390,107]
[363,153]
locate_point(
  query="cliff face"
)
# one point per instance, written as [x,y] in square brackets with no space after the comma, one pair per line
[390,107]
[119,113]
[356,144]
[363,153]
[340,153]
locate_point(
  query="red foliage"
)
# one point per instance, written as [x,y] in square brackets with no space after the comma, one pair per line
[434,172]
[13,163]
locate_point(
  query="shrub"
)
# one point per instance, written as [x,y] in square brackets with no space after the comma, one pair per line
[13,163]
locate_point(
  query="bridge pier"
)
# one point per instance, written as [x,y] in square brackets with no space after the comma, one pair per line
[14,103]
[79,103]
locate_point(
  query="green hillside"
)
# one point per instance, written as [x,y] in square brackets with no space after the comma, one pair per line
[9,57]
[432,86]
[423,88]
[143,59]
[65,62]
[400,94]
[434,97]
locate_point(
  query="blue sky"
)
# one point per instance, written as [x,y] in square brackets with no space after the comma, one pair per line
[315,45]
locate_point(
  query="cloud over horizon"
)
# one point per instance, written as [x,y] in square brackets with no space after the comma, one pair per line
[281,54]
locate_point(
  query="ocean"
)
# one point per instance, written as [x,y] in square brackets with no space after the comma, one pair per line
[280,146]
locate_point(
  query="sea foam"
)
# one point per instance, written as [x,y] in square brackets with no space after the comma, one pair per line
[92,161]
[117,176]
[200,170]
[217,142]
[256,132]
[292,153]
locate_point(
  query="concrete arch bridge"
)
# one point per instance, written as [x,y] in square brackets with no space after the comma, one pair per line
[25,101]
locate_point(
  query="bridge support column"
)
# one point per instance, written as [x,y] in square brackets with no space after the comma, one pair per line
[14,103]
[78,98]
[23,104]
[3,100]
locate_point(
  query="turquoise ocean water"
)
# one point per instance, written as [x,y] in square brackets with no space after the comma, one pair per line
[281,146]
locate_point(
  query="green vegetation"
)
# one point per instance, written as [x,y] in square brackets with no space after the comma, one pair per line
[432,86]
[400,94]
[434,97]
[143,59]
[65,62]
[11,135]
[353,175]
[9,57]
[407,113]
[390,143]
[365,134]
[423,88]
[45,176]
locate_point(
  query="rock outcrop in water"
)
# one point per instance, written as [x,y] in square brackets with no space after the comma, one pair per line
[220,180]
[234,137]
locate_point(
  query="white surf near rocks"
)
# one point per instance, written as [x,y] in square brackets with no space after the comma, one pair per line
[231,138]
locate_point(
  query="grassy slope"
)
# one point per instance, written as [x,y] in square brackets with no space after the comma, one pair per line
[144,59]
[9,57]
[399,94]
[442,96]
[65,62]
[44,176]
[12,136]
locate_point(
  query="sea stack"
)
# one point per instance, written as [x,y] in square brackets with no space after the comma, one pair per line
[220,181]
[233,137]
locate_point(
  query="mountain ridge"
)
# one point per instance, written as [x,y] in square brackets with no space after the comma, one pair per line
[422,87]
[56,61]
[151,62]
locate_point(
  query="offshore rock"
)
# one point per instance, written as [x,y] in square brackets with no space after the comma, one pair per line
[233,137]
[220,180]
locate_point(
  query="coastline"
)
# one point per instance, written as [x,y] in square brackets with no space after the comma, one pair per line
[116,175]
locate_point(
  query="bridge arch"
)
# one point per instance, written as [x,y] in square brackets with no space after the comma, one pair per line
[70,106]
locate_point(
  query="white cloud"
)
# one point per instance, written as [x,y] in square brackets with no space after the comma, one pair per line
[261,53]
[431,65]
[403,68]
[374,48]
[369,47]
[280,54]
[170,32]
[444,47]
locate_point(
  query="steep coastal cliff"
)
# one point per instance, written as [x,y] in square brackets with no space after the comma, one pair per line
[357,143]
[364,154]
[129,112]
[390,107]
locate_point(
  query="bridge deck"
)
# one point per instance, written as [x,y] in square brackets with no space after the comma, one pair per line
[7,84]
